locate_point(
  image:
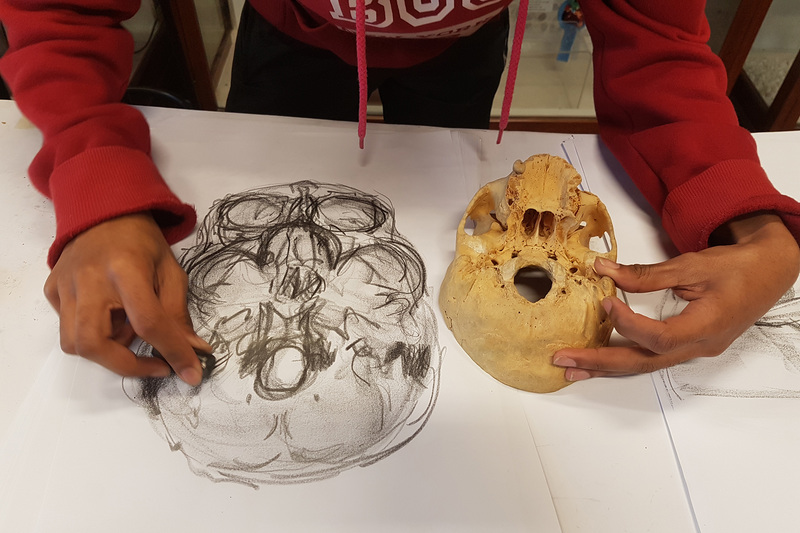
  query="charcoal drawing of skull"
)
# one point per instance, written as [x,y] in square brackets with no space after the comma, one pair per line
[326,342]
[535,222]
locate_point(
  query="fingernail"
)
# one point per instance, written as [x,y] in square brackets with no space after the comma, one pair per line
[564,361]
[608,263]
[191,375]
[576,374]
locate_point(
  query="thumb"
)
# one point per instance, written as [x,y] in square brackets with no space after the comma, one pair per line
[639,278]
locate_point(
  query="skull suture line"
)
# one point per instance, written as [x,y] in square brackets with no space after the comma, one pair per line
[326,344]
[534,219]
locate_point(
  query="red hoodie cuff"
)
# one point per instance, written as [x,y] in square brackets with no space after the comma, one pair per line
[695,209]
[108,182]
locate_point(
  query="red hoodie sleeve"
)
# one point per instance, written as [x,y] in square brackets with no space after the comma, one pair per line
[661,104]
[68,65]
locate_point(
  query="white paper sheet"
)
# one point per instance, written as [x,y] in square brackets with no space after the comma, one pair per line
[92,462]
[80,456]
[737,453]
[603,442]
[84,457]
[24,311]
[735,418]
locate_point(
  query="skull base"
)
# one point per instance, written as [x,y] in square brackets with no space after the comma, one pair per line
[535,218]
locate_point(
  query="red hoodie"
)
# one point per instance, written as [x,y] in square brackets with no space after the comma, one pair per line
[659,96]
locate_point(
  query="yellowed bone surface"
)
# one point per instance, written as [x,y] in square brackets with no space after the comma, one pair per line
[536,218]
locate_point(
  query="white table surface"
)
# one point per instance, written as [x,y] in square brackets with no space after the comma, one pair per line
[604,444]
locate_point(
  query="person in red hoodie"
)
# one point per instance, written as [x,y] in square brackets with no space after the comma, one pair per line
[659,97]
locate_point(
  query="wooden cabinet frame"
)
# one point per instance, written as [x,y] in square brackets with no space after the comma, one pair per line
[753,111]
[175,64]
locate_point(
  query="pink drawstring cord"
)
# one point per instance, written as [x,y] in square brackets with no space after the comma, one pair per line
[361,62]
[513,64]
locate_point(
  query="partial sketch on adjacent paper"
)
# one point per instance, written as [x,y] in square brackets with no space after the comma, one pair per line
[326,342]
[763,363]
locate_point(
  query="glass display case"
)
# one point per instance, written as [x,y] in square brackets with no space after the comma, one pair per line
[553,95]
[553,90]
[553,85]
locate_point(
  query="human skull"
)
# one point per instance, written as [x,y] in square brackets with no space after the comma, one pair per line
[534,220]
